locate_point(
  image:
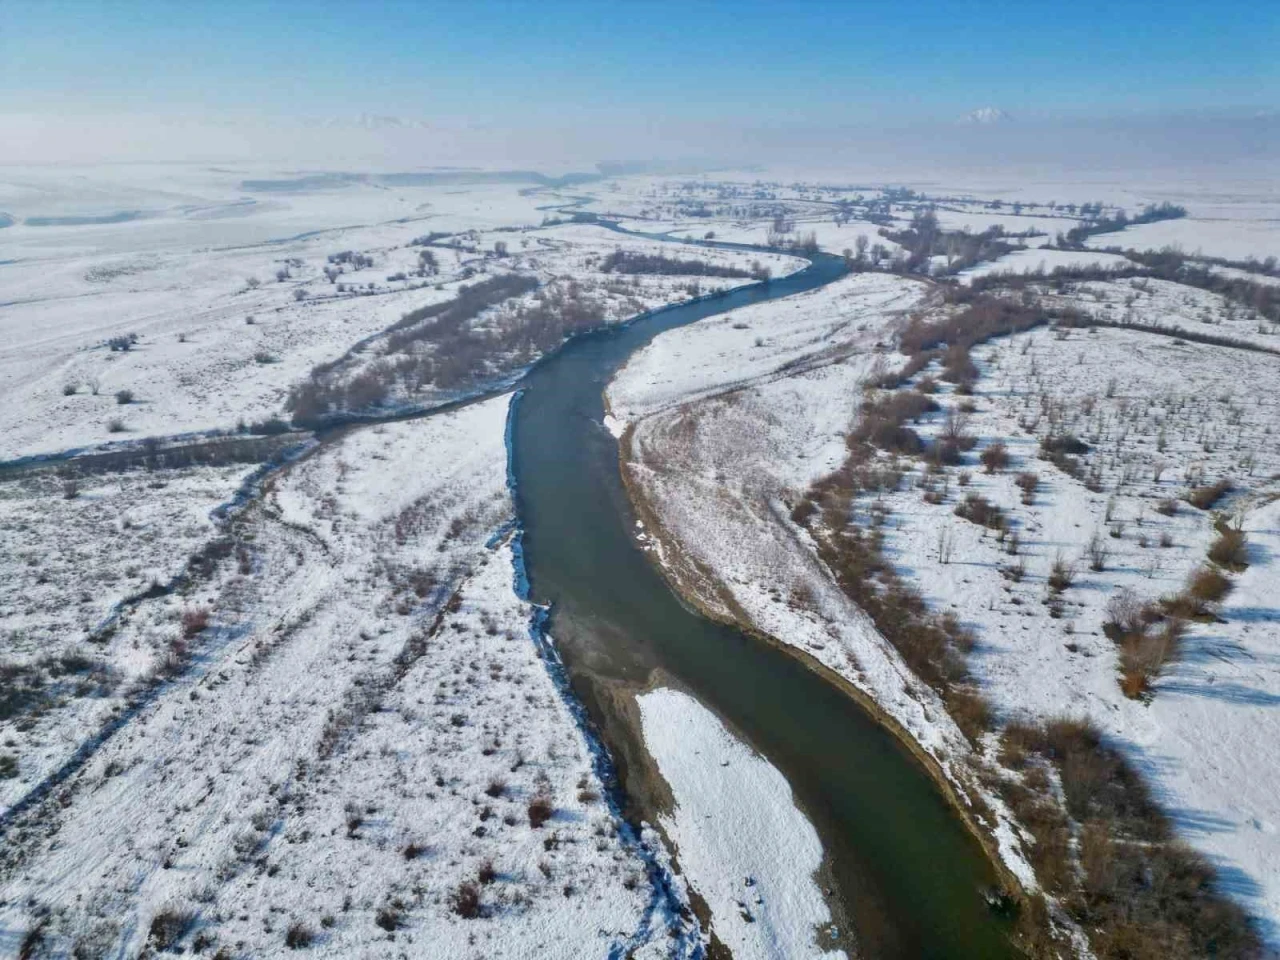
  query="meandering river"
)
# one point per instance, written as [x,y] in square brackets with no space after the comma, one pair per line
[910,877]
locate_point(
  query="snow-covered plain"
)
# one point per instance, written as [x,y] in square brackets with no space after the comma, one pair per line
[722,443]
[1234,239]
[1045,261]
[219,338]
[353,750]
[361,737]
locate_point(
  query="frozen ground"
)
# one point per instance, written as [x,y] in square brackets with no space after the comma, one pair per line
[722,444]
[68,564]
[742,844]
[407,778]
[1045,261]
[219,338]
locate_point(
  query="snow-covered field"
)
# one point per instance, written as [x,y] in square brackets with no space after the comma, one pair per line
[729,426]
[1234,239]
[320,719]
[1150,302]
[1161,418]
[365,747]
[1044,261]
[220,331]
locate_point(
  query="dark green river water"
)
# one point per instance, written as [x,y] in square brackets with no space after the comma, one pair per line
[909,875]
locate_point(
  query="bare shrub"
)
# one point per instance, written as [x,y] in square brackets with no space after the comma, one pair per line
[70,389]
[1143,655]
[412,850]
[1061,574]
[487,873]
[802,511]
[465,900]
[1028,483]
[124,397]
[1067,444]
[540,810]
[168,927]
[978,509]
[1168,507]
[1207,585]
[1126,613]
[115,425]
[1230,549]
[994,457]
[1097,552]
[194,621]
[389,917]
[298,936]
[1205,497]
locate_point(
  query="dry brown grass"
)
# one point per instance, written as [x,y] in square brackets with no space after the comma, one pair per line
[1206,497]
[1230,549]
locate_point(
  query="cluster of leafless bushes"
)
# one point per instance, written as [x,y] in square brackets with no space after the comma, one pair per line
[622,261]
[1109,854]
[956,334]
[1147,635]
[925,239]
[1206,497]
[933,646]
[26,687]
[457,352]
[1229,548]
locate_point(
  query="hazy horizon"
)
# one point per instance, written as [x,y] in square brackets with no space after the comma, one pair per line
[566,85]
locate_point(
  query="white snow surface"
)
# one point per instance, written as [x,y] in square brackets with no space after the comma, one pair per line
[361,734]
[740,840]
[1045,261]
[724,443]
[1237,238]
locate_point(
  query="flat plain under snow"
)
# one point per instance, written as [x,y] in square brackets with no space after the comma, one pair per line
[213,301]
[1045,261]
[359,735]
[741,842]
[722,455]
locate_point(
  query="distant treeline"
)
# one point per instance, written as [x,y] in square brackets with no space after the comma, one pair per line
[1169,265]
[1076,236]
[622,261]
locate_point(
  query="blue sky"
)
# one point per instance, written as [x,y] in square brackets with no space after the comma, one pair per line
[497,63]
